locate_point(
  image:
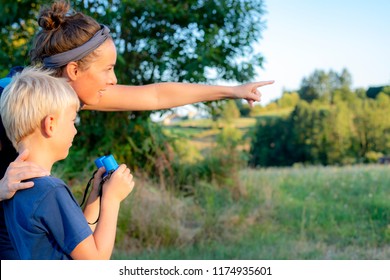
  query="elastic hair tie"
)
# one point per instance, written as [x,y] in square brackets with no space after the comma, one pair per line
[78,53]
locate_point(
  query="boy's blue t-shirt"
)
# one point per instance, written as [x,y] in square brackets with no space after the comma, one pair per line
[46,221]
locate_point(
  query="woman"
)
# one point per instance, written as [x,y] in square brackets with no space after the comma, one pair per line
[80,49]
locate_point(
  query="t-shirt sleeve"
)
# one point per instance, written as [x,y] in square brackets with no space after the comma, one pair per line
[62,217]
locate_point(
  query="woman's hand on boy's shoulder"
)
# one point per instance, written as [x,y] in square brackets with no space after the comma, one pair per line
[18,171]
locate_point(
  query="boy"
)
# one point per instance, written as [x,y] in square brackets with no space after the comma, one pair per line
[45,222]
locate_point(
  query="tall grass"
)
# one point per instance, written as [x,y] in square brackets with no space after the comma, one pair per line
[290,213]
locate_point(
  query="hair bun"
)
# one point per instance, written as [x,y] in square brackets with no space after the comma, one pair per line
[51,18]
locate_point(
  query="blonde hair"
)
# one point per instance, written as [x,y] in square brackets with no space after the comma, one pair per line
[30,97]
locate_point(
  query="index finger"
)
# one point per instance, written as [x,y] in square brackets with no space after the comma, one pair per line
[122,168]
[260,84]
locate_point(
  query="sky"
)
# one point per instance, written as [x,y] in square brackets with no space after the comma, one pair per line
[304,35]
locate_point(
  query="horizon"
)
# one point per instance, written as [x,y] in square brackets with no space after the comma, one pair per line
[304,36]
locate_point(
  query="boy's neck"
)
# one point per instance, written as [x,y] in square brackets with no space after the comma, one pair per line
[39,154]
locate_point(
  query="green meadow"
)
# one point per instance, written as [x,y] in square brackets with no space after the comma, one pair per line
[300,212]
[280,213]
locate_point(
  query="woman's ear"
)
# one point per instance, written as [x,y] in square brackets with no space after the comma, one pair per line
[49,125]
[71,71]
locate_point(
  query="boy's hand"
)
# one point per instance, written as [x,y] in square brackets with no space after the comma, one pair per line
[96,181]
[119,185]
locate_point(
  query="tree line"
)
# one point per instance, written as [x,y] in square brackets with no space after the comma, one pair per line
[330,124]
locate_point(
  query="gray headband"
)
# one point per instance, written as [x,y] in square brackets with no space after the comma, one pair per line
[78,53]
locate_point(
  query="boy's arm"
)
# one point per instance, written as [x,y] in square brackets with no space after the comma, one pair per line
[92,206]
[100,244]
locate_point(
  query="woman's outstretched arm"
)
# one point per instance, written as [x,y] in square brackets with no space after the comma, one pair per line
[169,95]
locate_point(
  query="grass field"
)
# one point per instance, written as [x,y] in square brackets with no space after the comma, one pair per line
[288,213]
[302,212]
[202,132]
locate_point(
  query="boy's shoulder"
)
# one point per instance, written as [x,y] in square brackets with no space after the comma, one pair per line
[48,182]
[42,187]
[46,191]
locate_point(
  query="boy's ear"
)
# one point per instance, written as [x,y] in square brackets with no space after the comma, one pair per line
[49,125]
[72,71]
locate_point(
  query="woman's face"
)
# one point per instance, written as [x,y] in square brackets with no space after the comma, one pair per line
[91,83]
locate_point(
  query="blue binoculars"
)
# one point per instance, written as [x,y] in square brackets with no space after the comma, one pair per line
[108,162]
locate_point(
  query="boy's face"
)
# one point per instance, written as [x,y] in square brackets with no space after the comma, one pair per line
[66,131]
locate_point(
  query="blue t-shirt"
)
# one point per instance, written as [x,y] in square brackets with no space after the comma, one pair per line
[45,222]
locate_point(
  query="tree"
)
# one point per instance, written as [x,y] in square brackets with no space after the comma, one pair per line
[179,41]
[338,135]
[385,90]
[372,126]
[17,27]
[307,129]
[321,85]
[168,40]
[288,100]
[230,111]
[271,143]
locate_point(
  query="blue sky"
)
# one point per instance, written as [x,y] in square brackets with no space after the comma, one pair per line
[304,35]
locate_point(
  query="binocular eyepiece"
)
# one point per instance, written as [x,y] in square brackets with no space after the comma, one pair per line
[108,162]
